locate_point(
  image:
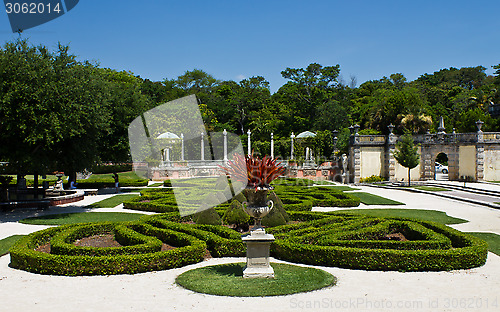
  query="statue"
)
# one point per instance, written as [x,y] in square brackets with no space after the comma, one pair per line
[345,173]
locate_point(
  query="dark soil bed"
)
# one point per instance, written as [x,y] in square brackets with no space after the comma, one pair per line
[103,240]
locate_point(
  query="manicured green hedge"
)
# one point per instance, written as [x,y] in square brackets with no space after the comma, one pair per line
[327,239]
[101,169]
[24,256]
[132,242]
[229,245]
[349,243]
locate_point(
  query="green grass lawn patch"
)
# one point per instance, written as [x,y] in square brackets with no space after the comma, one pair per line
[156,184]
[370,199]
[7,242]
[426,215]
[342,188]
[112,201]
[82,217]
[227,280]
[492,239]
[430,188]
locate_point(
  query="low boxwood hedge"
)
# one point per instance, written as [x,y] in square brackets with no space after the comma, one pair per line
[437,247]
[25,256]
[338,239]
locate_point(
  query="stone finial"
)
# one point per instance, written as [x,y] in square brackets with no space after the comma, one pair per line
[441,128]
[356,129]
[479,125]
[391,128]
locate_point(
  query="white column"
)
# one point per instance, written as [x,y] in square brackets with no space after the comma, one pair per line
[307,153]
[249,152]
[225,144]
[272,145]
[291,152]
[202,146]
[182,146]
[168,154]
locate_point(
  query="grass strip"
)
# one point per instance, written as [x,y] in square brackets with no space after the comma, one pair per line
[82,217]
[421,214]
[112,201]
[430,188]
[371,199]
[341,188]
[492,239]
[227,280]
[156,184]
[7,242]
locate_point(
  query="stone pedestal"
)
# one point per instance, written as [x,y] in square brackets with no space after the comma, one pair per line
[258,265]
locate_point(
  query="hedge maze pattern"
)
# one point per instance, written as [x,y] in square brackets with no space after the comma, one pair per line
[341,240]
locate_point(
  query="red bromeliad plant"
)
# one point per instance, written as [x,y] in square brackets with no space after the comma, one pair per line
[254,171]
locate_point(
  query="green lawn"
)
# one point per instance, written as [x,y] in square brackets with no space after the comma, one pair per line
[492,239]
[156,184]
[82,217]
[427,215]
[430,188]
[123,176]
[342,188]
[7,242]
[227,280]
[370,199]
[112,201]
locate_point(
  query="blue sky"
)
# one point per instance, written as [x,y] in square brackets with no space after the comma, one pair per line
[231,40]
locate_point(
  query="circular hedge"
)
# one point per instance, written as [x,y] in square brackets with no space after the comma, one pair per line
[339,239]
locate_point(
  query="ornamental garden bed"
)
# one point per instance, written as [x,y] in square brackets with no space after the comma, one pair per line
[343,240]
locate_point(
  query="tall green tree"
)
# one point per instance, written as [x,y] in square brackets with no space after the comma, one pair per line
[54,109]
[406,153]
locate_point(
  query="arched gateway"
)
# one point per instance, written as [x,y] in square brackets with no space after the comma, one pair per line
[471,156]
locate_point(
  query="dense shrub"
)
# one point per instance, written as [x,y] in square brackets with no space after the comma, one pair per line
[207,216]
[372,179]
[101,169]
[235,215]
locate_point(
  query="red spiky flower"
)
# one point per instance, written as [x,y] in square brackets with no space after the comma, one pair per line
[254,171]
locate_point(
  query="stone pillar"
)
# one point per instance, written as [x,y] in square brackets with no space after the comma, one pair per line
[355,156]
[249,150]
[390,160]
[225,145]
[182,146]
[480,152]
[291,151]
[202,146]
[258,264]
[272,145]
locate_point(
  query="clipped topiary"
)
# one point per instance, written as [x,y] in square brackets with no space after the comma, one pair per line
[273,218]
[235,214]
[279,205]
[208,216]
[240,197]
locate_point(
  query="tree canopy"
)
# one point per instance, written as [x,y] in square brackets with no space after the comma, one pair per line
[62,113]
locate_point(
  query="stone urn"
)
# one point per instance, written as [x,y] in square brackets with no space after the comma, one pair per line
[257,205]
[258,242]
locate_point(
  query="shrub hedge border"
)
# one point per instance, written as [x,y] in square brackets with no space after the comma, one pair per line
[24,256]
[301,243]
